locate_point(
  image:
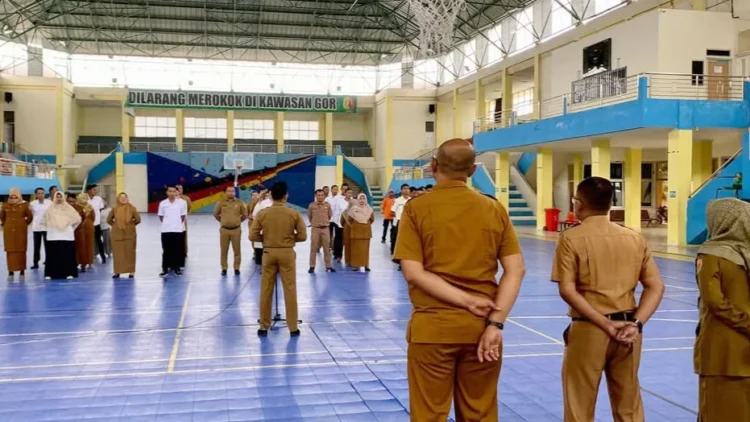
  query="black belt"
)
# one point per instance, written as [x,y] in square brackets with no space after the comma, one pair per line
[628,316]
[231,228]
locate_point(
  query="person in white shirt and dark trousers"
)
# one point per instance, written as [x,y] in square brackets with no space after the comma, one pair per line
[397,210]
[172,214]
[39,207]
[106,239]
[97,203]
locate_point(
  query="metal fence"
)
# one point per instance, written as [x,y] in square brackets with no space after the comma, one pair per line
[10,167]
[153,147]
[94,148]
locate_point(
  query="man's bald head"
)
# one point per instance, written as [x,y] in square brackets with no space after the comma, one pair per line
[455,159]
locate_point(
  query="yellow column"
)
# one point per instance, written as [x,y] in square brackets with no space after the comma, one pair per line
[389,146]
[439,116]
[2,123]
[502,178]
[679,179]
[125,128]
[632,188]
[507,99]
[702,163]
[230,130]
[577,170]
[60,136]
[480,106]
[278,131]
[180,129]
[537,85]
[339,170]
[457,129]
[329,133]
[600,159]
[699,5]
[544,185]
[119,172]
[322,126]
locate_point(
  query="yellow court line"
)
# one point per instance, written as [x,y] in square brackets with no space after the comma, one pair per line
[178,334]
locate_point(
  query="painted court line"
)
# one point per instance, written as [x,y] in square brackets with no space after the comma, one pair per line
[178,334]
[539,333]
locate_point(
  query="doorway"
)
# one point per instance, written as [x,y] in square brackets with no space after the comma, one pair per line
[718,79]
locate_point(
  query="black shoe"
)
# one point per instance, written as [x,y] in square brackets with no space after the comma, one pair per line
[294,333]
[35,267]
[178,272]
[330,270]
[311,270]
[399,268]
[131,276]
[82,270]
[115,275]
[236,272]
[382,240]
[262,332]
[164,274]
[223,272]
[367,269]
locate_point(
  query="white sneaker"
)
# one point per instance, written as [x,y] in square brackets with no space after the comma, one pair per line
[48,278]
[70,277]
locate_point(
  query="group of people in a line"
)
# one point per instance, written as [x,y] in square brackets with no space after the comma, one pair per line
[71,229]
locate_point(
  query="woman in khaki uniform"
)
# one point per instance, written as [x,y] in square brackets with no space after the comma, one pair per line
[722,348]
[124,219]
[85,233]
[15,217]
[359,220]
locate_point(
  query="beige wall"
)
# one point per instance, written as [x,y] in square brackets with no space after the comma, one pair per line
[100,121]
[35,106]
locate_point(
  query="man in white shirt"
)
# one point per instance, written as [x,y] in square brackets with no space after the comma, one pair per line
[39,207]
[172,213]
[397,210]
[97,203]
[329,200]
[338,207]
[264,203]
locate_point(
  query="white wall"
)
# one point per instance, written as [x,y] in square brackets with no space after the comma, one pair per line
[136,185]
[409,118]
[325,176]
[35,108]
[369,167]
[632,46]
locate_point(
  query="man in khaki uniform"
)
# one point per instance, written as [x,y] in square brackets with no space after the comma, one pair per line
[319,213]
[278,228]
[230,212]
[598,265]
[455,331]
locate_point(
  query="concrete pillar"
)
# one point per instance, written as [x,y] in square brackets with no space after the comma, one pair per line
[339,169]
[632,188]
[537,85]
[601,159]
[679,179]
[502,178]
[507,98]
[180,128]
[389,145]
[439,116]
[544,185]
[457,114]
[278,131]
[60,157]
[125,130]
[702,163]
[119,172]
[230,130]
[329,133]
[577,170]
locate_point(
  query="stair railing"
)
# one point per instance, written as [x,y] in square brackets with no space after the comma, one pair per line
[716,173]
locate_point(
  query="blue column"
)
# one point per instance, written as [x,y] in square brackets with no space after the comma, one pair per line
[642,87]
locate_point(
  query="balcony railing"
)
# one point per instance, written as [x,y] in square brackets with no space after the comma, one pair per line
[613,91]
[9,167]
[153,147]
[94,148]
[204,147]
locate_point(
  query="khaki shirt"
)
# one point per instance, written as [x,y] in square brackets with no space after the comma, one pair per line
[278,227]
[605,261]
[319,214]
[459,235]
[231,212]
[189,202]
[722,347]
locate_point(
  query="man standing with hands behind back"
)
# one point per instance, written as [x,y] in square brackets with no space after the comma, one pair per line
[278,227]
[319,213]
[597,267]
[455,331]
[230,212]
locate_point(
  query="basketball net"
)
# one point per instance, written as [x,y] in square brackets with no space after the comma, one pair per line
[238,168]
[436,20]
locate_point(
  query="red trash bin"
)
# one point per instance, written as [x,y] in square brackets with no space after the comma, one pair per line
[552,218]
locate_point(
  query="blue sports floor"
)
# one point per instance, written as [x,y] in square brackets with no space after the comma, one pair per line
[186,349]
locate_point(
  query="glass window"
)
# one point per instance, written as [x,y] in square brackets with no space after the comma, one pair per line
[155,127]
[468,54]
[449,72]
[426,73]
[604,5]
[301,130]
[561,19]
[253,129]
[524,28]
[13,58]
[494,42]
[523,102]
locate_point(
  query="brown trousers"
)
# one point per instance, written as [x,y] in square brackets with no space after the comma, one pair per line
[225,238]
[588,353]
[724,399]
[443,373]
[320,237]
[281,261]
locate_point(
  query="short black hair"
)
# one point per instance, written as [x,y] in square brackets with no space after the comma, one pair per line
[71,195]
[171,186]
[596,193]
[39,189]
[405,186]
[412,189]
[52,187]
[421,188]
[278,191]
[324,187]
[334,186]
[91,186]
[230,186]
[428,186]
[319,190]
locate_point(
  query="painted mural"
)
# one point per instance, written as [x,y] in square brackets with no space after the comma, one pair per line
[204,179]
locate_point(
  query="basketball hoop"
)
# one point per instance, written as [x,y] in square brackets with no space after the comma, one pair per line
[436,20]
[238,166]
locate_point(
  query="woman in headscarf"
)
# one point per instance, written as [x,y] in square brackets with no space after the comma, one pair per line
[359,219]
[722,347]
[123,220]
[15,216]
[85,233]
[61,220]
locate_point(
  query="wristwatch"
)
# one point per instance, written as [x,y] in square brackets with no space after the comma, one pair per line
[498,325]
[639,324]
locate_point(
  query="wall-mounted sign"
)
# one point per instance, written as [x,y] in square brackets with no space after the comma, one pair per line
[673,194]
[240,101]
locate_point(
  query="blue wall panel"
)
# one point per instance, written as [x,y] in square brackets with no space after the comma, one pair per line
[696,227]
[526,162]
[326,160]
[356,175]
[482,181]
[27,185]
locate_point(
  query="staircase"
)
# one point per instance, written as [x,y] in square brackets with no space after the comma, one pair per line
[520,212]
[377,197]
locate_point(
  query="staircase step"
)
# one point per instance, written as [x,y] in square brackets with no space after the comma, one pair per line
[523,222]
[515,195]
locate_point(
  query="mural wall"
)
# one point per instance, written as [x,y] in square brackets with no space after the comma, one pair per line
[204,179]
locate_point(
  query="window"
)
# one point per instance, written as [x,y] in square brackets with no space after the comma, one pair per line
[494,44]
[697,72]
[301,130]
[524,34]
[155,127]
[601,6]
[523,102]
[13,58]
[253,129]
[561,18]
[426,73]
[449,72]
[468,54]
[205,128]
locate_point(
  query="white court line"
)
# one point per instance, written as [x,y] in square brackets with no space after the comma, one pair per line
[681,288]
[674,320]
[539,333]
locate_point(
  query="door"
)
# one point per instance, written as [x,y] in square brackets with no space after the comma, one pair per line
[718,79]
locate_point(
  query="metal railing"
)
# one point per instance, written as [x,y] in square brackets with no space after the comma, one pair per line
[261,148]
[10,167]
[695,87]
[153,147]
[94,148]
[205,147]
[716,173]
[354,151]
